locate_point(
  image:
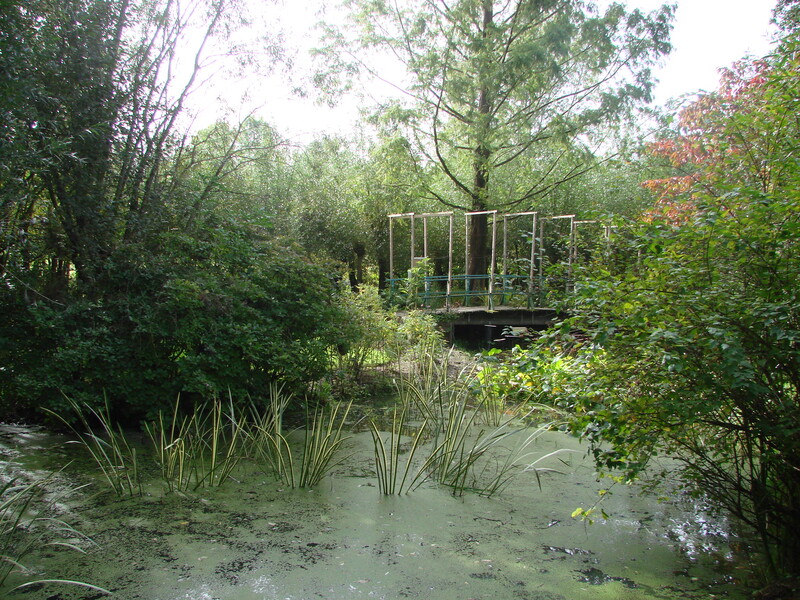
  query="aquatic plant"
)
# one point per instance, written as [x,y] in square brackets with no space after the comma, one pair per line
[217,439]
[265,438]
[321,448]
[264,422]
[112,451]
[516,460]
[196,450]
[170,443]
[451,460]
[322,445]
[387,457]
[23,530]
[425,388]
[462,456]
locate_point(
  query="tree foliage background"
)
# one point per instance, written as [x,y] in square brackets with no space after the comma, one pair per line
[508,100]
[690,325]
[136,261]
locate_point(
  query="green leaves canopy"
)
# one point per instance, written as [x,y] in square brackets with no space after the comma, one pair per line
[694,327]
[493,82]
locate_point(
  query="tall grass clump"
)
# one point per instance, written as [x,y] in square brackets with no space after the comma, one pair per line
[196,450]
[387,455]
[265,437]
[264,424]
[475,443]
[24,530]
[109,448]
[321,449]
[322,445]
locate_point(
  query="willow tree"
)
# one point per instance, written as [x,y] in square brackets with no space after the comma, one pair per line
[92,98]
[488,84]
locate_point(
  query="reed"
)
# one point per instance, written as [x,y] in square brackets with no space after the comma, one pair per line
[452,458]
[279,454]
[322,445]
[265,425]
[110,448]
[23,531]
[426,390]
[197,450]
[387,455]
[515,459]
[173,451]
[462,455]
[217,438]
[265,438]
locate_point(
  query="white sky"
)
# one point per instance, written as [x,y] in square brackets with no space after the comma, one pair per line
[707,35]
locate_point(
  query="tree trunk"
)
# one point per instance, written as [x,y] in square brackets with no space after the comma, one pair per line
[479,225]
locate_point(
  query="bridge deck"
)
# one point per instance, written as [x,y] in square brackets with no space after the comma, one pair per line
[508,316]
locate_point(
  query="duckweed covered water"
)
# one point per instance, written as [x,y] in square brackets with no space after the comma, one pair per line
[255,540]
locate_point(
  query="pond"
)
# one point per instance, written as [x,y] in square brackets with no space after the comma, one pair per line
[253,539]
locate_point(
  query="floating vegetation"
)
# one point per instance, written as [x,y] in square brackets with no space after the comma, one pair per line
[24,529]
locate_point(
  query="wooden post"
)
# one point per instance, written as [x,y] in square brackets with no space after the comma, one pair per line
[412,243]
[425,236]
[466,257]
[391,250]
[493,259]
[450,264]
[533,257]
[541,251]
[573,251]
[505,257]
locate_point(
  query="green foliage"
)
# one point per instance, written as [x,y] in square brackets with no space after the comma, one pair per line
[412,292]
[132,259]
[366,335]
[690,348]
[503,98]
[206,315]
[199,449]
[534,374]
[418,340]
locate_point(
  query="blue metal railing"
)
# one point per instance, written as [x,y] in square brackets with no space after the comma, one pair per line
[440,291]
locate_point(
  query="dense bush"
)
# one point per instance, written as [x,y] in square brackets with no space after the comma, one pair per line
[200,317]
[693,348]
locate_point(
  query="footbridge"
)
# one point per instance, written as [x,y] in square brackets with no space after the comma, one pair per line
[530,260]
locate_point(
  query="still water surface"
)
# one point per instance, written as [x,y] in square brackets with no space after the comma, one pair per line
[253,539]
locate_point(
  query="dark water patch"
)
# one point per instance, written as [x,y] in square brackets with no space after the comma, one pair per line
[594,576]
[483,575]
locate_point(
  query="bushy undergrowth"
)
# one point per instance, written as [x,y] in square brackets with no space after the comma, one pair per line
[199,319]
